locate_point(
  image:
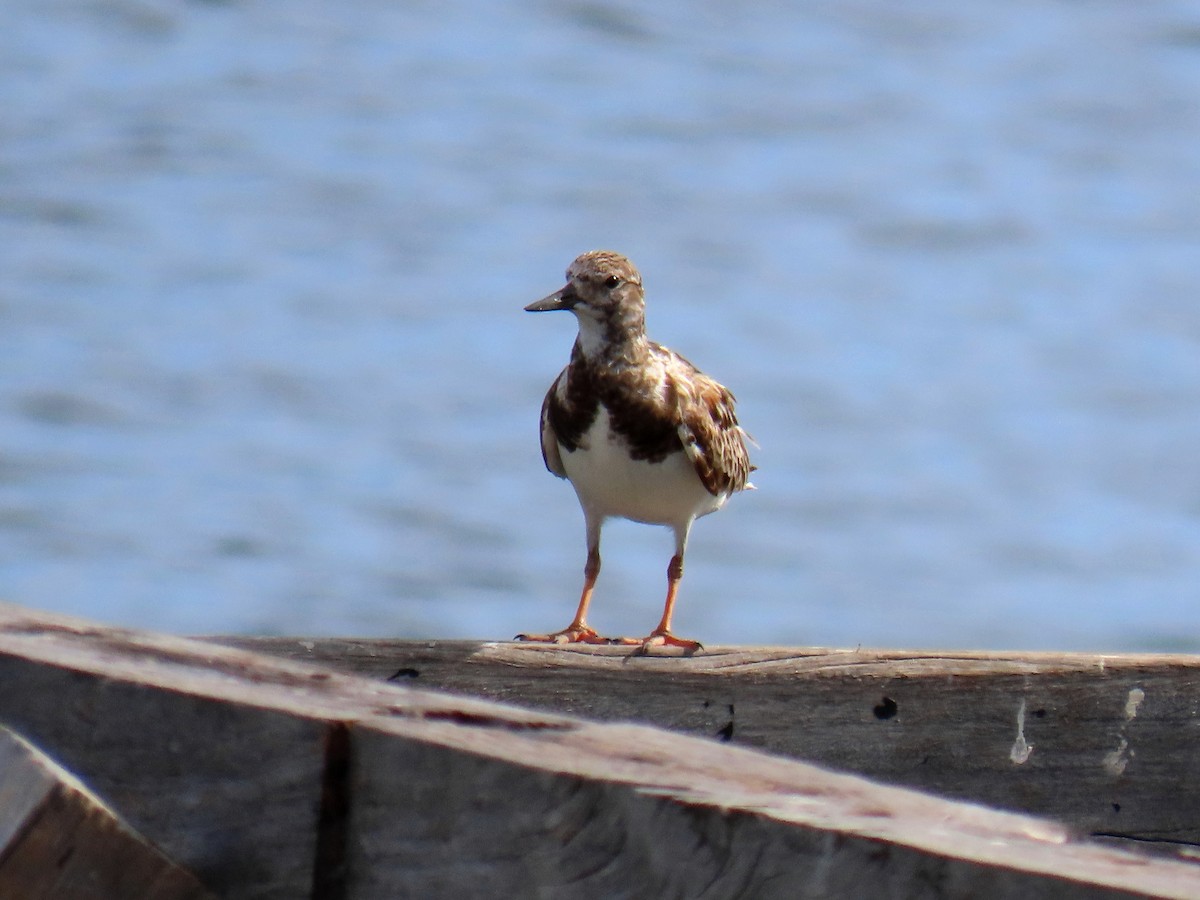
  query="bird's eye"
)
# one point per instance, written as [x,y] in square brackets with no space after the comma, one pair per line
[611,281]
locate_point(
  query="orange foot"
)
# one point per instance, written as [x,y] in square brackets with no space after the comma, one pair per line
[660,638]
[572,634]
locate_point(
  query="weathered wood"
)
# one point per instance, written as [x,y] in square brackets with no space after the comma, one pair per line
[229,791]
[59,842]
[1107,743]
[429,794]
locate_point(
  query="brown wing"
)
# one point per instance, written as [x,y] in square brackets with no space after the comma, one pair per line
[710,433]
[551,455]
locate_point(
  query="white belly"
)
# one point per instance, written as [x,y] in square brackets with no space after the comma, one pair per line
[609,483]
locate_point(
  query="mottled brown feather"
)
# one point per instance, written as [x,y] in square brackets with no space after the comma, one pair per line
[710,434]
[551,455]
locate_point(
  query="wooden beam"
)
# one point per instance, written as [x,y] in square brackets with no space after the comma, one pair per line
[58,841]
[1109,744]
[276,779]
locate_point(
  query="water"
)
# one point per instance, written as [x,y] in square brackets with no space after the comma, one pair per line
[263,366]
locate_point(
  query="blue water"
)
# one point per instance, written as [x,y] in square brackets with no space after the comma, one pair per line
[263,365]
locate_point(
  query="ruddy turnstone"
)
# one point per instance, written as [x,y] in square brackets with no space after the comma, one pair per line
[638,430]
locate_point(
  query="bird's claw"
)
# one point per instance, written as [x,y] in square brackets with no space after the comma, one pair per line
[659,639]
[572,634]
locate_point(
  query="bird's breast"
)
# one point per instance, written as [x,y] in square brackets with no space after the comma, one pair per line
[611,481]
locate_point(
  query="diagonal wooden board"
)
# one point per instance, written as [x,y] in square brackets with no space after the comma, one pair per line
[1109,743]
[60,842]
[277,779]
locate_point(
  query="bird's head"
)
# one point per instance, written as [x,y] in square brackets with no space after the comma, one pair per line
[604,290]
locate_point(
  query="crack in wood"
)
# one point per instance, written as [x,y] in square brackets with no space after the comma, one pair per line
[333,820]
[1147,839]
[461,717]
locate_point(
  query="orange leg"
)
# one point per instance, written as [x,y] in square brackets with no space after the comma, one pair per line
[578,632]
[661,636]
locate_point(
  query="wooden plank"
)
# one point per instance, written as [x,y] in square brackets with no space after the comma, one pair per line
[59,842]
[229,791]
[1107,743]
[431,794]
[630,812]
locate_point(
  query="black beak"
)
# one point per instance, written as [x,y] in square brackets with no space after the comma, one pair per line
[564,298]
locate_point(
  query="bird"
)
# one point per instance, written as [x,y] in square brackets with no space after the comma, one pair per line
[639,432]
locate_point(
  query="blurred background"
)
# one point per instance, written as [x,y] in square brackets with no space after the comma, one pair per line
[263,365]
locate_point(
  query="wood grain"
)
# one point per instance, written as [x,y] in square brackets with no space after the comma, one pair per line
[59,842]
[1109,744]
